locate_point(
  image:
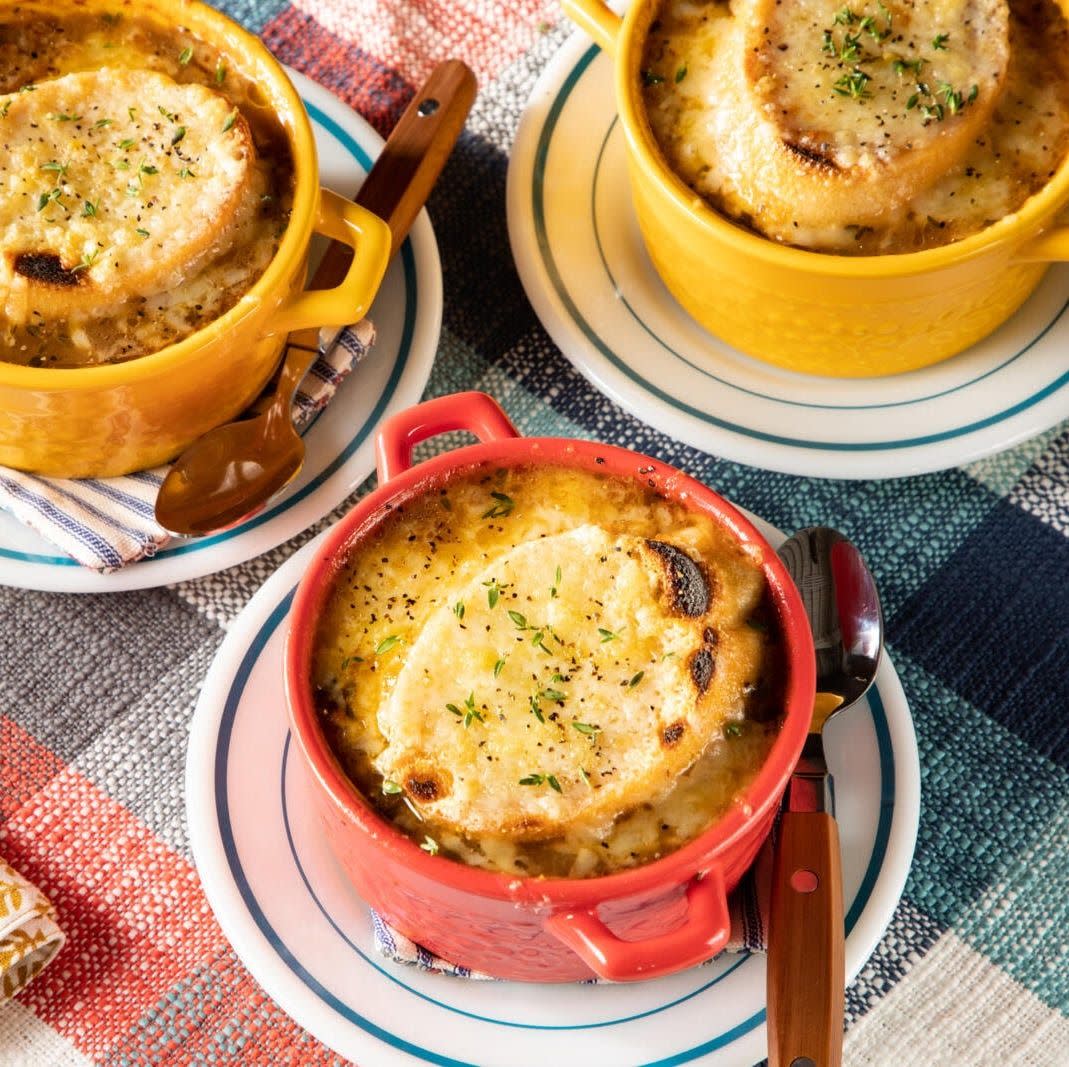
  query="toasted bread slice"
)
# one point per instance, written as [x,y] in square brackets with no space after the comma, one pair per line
[116,184]
[562,705]
[845,113]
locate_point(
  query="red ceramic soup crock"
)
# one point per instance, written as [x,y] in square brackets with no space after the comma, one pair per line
[639,923]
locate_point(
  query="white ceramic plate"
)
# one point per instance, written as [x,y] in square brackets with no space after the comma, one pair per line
[580,255]
[407,314]
[305,935]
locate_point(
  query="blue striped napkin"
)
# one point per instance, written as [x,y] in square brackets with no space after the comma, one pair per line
[749,928]
[106,523]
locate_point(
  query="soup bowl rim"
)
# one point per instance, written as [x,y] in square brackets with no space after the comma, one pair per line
[696,856]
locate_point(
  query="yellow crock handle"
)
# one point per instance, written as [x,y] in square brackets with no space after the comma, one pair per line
[1049,247]
[597,19]
[369,237]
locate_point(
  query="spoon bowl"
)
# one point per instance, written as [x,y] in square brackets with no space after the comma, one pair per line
[209,489]
[843,606]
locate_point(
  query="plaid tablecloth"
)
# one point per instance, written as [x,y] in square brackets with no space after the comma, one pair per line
[96,693]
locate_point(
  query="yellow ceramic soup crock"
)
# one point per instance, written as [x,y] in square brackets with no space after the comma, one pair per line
[843,316]
[122,417]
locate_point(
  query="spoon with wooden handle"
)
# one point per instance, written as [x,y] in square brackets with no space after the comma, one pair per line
[806,939]
[233,470]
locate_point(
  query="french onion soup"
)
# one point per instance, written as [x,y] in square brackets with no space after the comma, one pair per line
[144,186]
[870,127]
[546,671]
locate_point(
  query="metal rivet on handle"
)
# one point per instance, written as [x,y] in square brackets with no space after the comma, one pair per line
[804,881]
[428,106]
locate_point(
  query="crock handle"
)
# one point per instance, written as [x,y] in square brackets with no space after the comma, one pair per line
[597,19]
[477,413]
[1049,247]
[369,237]
[702,935]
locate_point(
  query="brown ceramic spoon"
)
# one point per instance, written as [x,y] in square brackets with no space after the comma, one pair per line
[233,470]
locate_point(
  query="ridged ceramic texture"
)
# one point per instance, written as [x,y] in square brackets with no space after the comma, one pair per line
[845,327]
[508,940]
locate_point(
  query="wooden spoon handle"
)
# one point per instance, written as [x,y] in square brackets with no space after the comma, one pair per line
[404,174]
[806,970]
[398,184]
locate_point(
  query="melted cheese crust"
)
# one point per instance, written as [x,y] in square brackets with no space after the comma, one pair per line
[946,161]
[123,179]
[213,204]
[394,651]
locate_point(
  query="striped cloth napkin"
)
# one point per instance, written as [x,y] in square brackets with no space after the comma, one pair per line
[29,936]
[749,927]
[106,523]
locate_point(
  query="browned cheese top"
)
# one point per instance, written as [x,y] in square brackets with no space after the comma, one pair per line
[143,187]
[547,671]
[863,128]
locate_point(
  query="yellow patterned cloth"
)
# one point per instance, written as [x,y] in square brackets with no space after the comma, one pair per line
[29,936]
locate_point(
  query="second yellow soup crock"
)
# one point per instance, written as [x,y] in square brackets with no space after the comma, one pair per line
[843,316]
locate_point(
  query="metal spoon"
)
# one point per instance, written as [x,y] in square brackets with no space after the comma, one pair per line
[806,967]
[233,470]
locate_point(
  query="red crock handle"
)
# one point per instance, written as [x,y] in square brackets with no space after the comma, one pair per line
[702,935]
[475,412]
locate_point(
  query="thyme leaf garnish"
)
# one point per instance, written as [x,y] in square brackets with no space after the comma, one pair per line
[853,85]
[536,709]
[88,259]
[386,644]
[503,506]
[542,779]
